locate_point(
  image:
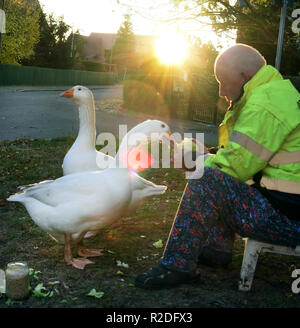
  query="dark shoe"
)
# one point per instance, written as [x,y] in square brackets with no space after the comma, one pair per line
[160,277]
[214,258]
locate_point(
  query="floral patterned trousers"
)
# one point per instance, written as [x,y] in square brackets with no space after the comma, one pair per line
[214,208]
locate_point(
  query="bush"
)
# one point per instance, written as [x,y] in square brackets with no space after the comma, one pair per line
[204,99]
[87,65]
[143,97]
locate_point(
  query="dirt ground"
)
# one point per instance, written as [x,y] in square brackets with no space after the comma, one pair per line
[129,249]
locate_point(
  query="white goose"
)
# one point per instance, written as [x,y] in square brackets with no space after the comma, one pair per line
[70,206]
[83,155]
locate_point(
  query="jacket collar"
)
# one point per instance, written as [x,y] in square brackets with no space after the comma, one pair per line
[264,75]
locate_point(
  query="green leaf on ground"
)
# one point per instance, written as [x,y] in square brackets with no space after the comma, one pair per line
[158,244]
[96,294]
[41,291]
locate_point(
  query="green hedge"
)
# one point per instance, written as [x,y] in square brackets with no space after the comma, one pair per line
[147,94]
[143,97]
[153,94]
[28,75]
[92,66]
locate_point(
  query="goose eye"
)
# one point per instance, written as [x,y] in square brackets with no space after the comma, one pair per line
[79,89]
[163,125]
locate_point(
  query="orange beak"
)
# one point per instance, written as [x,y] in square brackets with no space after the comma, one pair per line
[68,94]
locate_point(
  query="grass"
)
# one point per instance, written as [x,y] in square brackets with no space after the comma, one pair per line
[130,240]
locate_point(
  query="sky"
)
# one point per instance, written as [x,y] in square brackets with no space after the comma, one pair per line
[88,16]
[106,16]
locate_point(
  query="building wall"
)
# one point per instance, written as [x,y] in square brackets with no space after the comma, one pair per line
[98,42]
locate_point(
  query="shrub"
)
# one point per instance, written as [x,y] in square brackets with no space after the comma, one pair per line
[87,65]
[143,97]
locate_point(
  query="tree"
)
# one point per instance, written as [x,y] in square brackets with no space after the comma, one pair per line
[202,83]
[56,46]
[201,57]
[22,31]
[77,46]
[256,23]
[124,49]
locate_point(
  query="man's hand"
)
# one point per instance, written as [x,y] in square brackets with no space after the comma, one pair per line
[189,147]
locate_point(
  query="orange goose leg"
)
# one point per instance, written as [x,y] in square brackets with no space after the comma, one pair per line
[78,263]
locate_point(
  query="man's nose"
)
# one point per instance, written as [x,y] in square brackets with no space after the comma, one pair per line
[222,93]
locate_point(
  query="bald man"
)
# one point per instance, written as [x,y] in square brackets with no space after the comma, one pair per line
[251,186]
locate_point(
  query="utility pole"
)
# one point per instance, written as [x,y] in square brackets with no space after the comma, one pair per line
[72,44]
[2,7]
[110,60]
[281,35]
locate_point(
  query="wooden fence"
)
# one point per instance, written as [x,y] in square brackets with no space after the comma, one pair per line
[28,75]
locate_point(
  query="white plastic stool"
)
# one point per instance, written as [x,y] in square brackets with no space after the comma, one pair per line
[251,253]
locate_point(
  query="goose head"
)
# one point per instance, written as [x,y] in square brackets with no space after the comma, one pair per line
[131,146]
[149,129]
[79,94]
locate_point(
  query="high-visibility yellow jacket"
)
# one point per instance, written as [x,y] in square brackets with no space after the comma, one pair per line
[261,133]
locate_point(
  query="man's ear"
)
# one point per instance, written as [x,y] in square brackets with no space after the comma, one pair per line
[245,77]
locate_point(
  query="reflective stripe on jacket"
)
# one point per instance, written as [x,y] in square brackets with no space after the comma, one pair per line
[262,133]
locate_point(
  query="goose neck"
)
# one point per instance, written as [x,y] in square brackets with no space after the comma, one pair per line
[87,125]
[127,143]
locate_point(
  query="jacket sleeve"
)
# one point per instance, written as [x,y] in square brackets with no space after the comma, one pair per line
[256,137]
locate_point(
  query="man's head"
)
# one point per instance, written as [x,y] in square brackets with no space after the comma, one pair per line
[234,67]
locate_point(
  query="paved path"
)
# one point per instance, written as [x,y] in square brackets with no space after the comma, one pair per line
[39,112]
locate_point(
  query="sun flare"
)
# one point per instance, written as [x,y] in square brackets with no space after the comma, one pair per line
[171,48]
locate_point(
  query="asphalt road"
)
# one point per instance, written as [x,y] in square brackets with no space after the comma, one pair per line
[39,112]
